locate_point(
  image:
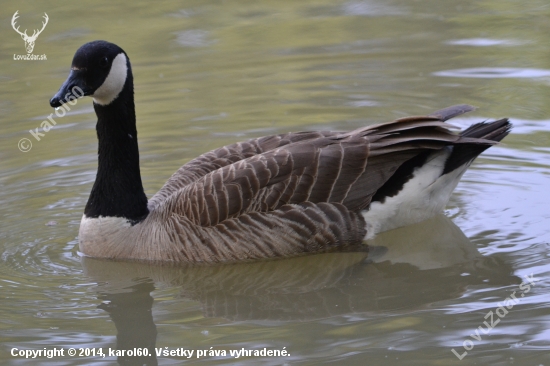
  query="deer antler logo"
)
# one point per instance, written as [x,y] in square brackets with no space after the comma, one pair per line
[29,41]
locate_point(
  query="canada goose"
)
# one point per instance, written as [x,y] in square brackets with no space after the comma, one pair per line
[273,196]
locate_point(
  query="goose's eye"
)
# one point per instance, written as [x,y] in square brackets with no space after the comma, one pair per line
[104,62]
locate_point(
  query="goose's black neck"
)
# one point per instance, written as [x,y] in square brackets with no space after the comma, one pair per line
[118,190]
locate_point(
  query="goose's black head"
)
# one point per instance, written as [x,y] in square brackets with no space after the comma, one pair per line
[100,69]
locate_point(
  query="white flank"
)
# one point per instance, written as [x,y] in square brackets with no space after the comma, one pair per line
[113,84]
[423,196]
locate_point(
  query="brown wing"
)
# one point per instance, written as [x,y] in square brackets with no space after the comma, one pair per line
[345,168]
[227,155]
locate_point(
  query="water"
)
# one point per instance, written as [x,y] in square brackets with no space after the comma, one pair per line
[212,73]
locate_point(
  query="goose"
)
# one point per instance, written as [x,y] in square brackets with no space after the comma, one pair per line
[275,196]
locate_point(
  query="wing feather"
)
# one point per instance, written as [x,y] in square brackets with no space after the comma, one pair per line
[264,174]
[227,155]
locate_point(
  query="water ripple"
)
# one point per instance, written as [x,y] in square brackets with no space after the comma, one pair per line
[485,42]
[494,73]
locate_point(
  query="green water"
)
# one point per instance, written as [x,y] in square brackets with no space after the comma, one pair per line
[209,73]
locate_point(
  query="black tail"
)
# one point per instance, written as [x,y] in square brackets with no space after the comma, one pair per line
[494,131]
[488,134]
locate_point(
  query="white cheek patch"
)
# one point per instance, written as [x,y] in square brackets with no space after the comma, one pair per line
[113,84]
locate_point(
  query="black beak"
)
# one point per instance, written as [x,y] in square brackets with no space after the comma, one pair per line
[73,88]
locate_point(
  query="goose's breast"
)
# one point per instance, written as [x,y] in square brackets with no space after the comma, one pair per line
[98,237]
